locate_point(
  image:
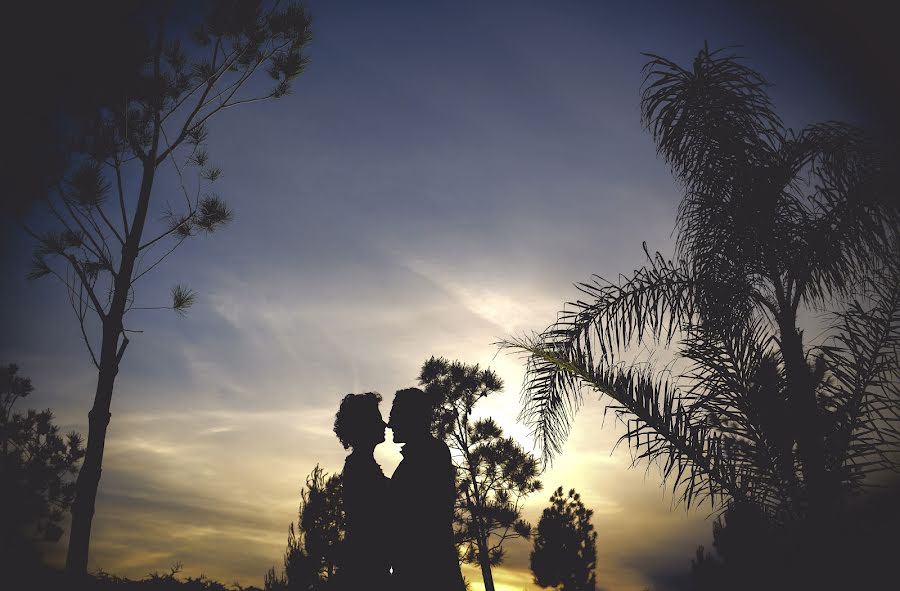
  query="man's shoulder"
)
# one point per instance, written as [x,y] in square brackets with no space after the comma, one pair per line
[429,450]
[436,448]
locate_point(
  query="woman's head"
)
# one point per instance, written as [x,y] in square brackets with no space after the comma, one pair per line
[358,422]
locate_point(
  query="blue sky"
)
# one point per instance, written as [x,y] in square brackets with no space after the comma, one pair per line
[439,178]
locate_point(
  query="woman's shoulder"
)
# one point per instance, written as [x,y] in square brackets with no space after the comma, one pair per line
[361,467]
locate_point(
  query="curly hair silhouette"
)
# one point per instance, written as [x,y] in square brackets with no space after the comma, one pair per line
[355,421]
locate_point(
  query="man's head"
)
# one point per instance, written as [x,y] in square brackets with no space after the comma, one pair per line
[410,415]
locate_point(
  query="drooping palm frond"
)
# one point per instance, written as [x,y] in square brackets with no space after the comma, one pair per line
[659,428]
[863,392]
[551,393]
[736,384]
[649,306]
[853,216]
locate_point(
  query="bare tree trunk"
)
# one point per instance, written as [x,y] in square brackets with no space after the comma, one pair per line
[485,562]
[89,475]
[481,537]
[110,356]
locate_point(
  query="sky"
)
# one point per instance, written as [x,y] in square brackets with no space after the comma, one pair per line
[439,178]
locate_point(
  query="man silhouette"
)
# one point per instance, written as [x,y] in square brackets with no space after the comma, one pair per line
[423,491]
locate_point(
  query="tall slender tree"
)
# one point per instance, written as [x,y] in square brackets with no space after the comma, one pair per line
[104,203]
[494,473]
[771,222]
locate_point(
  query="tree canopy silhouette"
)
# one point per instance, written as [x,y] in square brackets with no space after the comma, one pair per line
[565,545]
[88,52]
[37,475]
[313,557]
[771,222]
[494,473]
[105,238]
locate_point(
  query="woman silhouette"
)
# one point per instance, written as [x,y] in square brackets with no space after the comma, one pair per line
[359,425]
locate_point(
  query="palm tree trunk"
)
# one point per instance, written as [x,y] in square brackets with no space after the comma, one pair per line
[807,422]
[111,352]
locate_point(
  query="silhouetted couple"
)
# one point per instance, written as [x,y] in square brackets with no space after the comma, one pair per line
[404,523]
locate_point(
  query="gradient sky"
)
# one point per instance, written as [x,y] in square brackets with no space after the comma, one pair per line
[439,178]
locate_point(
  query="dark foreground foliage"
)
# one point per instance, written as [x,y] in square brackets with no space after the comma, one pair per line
[315,548]
[37,475]
[855,551]
[47,579]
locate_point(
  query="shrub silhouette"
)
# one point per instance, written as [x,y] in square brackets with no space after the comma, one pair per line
[37,471]
[312,560]
[565,549]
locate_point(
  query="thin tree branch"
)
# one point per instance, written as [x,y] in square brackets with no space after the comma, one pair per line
[188,126]
[118,168]
[168,232]
[71,289]
[122,347]
[81,316]
[216,73]
[90,291]
[161,259]
[99,252]
[110,225]
[188,123]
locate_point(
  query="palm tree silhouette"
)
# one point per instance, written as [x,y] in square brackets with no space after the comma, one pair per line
[771,222]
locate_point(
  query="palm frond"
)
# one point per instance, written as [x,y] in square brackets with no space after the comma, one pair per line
[551,393]
[863,392]
[737,386]
[660,429]
[725,367]
[716,127]
[708,119]
[651,305]
[854,217]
